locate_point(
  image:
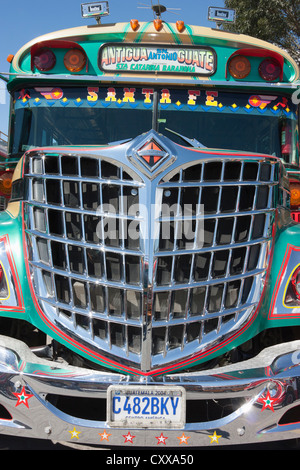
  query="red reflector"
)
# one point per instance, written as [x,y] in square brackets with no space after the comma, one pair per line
[270,69]
[296,216]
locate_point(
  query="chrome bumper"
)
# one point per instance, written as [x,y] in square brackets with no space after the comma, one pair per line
[27,381]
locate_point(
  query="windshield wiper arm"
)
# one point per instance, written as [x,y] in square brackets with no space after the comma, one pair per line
[193,142]
[119,142]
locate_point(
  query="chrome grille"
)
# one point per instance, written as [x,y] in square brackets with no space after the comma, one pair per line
[209,284]
[86,281]
[148,302]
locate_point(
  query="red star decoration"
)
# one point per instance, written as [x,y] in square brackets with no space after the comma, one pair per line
[268,402]
[23,397]
[128,437]
[161,439]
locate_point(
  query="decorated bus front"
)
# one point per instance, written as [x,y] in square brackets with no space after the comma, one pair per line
[149,231]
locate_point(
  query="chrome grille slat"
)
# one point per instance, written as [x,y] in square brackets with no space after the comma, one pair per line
[204,316]
[86,278]
[78,243]
[103,291]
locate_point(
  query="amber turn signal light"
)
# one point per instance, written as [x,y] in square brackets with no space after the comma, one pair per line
[75,60]
[239,67]
[6,183]
[295,195]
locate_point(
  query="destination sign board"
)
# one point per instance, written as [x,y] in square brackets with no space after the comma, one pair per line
[163,59]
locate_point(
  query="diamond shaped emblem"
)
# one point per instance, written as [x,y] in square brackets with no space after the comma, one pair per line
[152,153]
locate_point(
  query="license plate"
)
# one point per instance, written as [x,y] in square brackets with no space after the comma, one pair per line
[146,407]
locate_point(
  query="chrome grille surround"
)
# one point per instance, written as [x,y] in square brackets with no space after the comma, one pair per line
[148,302]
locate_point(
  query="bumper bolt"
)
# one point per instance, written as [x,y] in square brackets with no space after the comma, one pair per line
[48,429]
[241,431]
[18,385]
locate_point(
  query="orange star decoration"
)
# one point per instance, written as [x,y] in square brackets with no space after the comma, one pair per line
[161,439]
[104,436]
[214,438]
[268,402]
[75,433]
[183,439]
[128,437]
[23,397]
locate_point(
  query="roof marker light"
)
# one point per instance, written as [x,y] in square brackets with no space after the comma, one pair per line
[180,26]
[134,24]
[157,24]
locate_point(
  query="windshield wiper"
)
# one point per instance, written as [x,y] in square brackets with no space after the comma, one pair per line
[119,142]
[193,142]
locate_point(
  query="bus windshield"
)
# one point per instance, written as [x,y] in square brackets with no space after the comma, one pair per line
[54,116]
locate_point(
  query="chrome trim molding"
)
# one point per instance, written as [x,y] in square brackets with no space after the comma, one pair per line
[155,79]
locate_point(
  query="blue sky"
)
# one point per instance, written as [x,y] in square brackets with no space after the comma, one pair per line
[21,21]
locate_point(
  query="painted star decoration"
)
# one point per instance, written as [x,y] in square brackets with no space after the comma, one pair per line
[183,439]
[75,433]
[161,439]
[214,438]
[268,402]
[23,397]
[104,436]
[128,437]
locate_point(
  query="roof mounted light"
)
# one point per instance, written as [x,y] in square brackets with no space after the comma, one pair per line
[221,15]
[270,70]
[75,60]
[44,59]
[158,23]
[134,24]
[180,26]
[94,10]
[239,67]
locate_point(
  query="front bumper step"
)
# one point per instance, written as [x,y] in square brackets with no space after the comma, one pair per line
[249,402]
